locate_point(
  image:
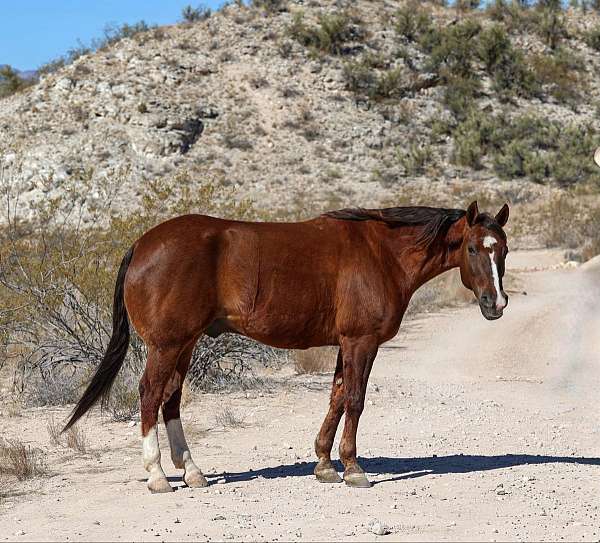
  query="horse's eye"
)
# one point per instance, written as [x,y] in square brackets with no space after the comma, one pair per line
[472,250]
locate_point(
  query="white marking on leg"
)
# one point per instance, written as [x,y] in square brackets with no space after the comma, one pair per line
[181,456]
[151,450]
[151,457]
[500,299]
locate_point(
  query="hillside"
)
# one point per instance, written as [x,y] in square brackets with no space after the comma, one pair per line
[302,106]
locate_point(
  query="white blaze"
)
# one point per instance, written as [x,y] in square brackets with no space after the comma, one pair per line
[489,242]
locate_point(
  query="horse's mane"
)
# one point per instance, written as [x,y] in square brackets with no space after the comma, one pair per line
[435,220]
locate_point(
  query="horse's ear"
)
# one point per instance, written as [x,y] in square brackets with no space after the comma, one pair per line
[502,216]
[472,212]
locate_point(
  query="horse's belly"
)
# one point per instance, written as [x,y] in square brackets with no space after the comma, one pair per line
[290,330]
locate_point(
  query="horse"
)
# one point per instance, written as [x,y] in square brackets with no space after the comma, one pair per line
[344,278]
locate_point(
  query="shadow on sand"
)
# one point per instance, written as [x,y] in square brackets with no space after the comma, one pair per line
[408,468]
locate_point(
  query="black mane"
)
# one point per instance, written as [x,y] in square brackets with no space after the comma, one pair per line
[435,220]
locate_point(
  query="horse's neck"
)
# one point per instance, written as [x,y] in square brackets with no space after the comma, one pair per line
[427,263]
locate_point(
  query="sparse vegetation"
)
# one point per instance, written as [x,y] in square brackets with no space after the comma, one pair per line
[415,159]
[330,35]
[315,360]
[11,82]
[194,14]
[270,6]
[528,146]
[20,460]
[228,418]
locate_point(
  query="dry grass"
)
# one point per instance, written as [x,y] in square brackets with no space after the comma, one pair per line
[228,418]
[20,461]
[54,429]
[74,438]
[315,360]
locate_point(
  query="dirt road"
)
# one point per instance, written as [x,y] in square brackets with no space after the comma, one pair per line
[473,430]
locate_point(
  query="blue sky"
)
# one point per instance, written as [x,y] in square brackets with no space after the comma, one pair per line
[36,31]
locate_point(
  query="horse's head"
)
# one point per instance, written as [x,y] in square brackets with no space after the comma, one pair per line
[483,251]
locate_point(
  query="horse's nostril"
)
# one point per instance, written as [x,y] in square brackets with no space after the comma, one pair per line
[487,300]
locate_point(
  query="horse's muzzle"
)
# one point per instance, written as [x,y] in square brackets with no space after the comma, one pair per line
[489,309]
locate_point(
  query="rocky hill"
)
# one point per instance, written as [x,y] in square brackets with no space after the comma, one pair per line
[303,105]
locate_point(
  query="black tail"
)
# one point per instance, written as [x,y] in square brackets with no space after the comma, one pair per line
[113,359]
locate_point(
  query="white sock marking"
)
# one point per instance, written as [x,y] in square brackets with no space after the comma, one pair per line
[180,451]
[150,450]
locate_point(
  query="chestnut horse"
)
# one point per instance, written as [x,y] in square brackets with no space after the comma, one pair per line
[344,278]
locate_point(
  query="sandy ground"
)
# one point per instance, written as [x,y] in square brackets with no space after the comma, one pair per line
[474,430]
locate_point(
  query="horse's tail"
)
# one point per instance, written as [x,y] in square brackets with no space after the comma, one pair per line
[106,373]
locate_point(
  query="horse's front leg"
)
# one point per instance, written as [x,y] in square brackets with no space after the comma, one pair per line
[324,470]
[358,356]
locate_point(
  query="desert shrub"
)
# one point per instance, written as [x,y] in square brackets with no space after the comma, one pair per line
[561,74]
[411,21]
[592,38]
[451,56]
[371,76]
[226,363]
[551,25]
[270,6]
[460,93]
[20,461]
[573,223]
[451,48]
[228,418]
[11,82]
[505,64]
[192,15]
[330,35]
[315,360]
[528,146]
[466,5]
[57,277]
[115,33]
[509,161]
[415,159]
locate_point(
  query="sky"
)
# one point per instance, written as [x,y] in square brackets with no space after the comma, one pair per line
[36,31]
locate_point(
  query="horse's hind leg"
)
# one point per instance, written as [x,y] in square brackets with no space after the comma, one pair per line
[160,367]
[324,470]
[180,452]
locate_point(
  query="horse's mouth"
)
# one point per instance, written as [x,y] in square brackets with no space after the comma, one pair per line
[491,314]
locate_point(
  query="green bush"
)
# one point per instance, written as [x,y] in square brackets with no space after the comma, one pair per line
[460,93]
[505,65]
[551,25]
[11,82]
[527,146]
[369,77]
[592,38]
[415,158]
[192,15]
[411,21]
[451,48]
[270,6]
[329,36]
[562,74]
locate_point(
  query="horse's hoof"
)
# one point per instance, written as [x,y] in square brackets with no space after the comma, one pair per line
[159,486]
[195,479]
[327,475]
[356,478]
